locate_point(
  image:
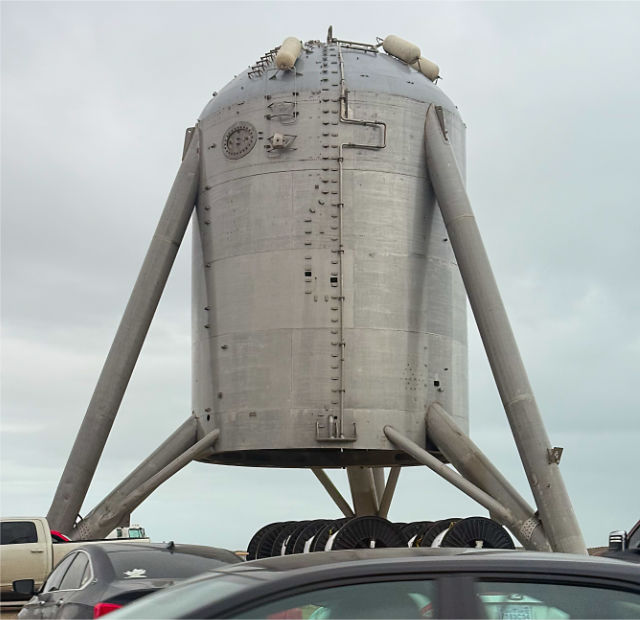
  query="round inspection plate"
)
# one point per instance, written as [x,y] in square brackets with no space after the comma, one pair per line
[239,139]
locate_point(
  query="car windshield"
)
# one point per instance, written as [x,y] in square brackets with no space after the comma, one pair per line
[184,598]
[159,564]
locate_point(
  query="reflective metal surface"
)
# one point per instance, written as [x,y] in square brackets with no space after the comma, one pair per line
[327,301]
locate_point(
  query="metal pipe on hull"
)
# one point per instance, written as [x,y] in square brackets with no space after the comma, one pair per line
[176,444]
[556,511]
[108,520]
[469,460]
[124,352]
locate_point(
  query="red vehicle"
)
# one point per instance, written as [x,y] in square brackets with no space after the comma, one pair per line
[59,537]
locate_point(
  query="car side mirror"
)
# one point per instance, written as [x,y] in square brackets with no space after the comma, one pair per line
[24,586]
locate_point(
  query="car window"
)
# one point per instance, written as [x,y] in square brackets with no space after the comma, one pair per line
[73,578]
[391,599]
[527,600]
[87,575]
[18,532]
[158,564]
[53,581]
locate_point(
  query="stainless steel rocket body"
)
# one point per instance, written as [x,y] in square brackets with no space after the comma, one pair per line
[326,298]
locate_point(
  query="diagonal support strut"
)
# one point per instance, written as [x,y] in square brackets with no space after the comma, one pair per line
[105,521]
[556,512]
[125,350]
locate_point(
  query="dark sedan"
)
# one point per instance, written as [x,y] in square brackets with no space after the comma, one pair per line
[97,579]
[405,583]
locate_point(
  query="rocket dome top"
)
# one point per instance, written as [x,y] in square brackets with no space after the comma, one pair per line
[367,67]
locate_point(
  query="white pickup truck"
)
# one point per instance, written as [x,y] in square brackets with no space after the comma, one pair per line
[28,551]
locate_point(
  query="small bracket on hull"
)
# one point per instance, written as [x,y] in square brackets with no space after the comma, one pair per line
[554,455]
[440,115]
[329,430]
[188,135]
[280,142]
[284,111]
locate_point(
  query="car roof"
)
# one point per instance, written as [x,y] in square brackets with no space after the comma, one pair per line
[436,559]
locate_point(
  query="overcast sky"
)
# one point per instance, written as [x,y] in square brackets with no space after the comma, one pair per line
[95,101]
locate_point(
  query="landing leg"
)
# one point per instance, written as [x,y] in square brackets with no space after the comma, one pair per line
[127,344]
[540,464]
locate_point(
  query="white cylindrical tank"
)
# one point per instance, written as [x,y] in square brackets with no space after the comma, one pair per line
[398,47]
[427,68]
[288,53]
[327,302]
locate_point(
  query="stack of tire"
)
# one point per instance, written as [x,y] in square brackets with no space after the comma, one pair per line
[370,532]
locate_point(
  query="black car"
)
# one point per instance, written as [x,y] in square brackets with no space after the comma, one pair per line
[405,583]
[97,579]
